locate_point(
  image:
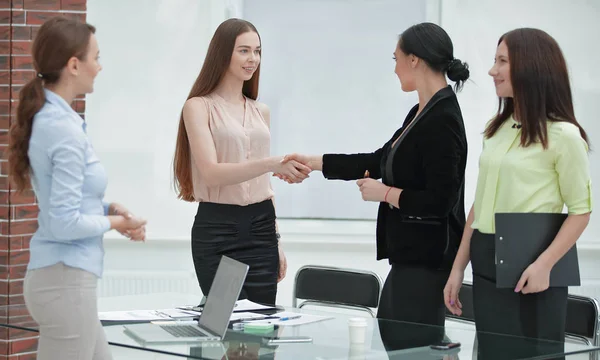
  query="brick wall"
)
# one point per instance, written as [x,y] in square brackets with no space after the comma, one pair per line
[19,22]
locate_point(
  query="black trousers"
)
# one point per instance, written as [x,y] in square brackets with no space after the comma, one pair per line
[502,311]
[244,233]
[414,295]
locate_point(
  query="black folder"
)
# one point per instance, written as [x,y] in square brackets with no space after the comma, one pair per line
[521,238]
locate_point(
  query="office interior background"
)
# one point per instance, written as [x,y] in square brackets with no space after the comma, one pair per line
[326,70]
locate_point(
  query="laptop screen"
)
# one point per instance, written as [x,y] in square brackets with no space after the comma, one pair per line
[223,294]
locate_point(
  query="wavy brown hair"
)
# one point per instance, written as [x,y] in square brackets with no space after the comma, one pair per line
[541,86]
[58,40]
[216,63]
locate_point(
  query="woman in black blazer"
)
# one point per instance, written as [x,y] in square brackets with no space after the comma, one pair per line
[421,214]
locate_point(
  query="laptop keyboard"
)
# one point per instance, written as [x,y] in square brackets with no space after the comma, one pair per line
[183,330]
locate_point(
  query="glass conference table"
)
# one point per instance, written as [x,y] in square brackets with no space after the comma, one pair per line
[385,339]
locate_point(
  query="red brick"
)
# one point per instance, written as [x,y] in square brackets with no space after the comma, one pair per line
[4,287]
[21,32]
[18,257]
[4,196]
[15,243]
[21,47]
[17,4]
[25,198]
[25,241]
[5,4]
[22,63]
[4,93]
[4,125]
[21,77]
[5,17]
[3,179]
[14,92]
[34,31]
[4,140]
[41,4]
[18,17]
[5,212]
[14,334]
[3,163]
[4,275]
[23,227]
[38,18]
[17,271]
[73,5]
[19,320]
[16,299]
[5,32]
[4,241]
[15,287]
[5,47]
[4,349]
[22,212]
[3,302]
[23,346]
[4,63]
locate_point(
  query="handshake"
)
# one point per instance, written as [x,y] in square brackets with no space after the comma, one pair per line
[295,168]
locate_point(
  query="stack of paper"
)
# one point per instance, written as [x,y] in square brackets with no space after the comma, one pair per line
[146,315]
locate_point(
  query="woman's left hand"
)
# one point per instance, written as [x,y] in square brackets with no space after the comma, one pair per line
[372,190]
[282,265]
[536,278]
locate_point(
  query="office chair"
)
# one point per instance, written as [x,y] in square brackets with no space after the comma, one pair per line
[583,316]
[336,287]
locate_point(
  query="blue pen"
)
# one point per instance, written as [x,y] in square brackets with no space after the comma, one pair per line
[289,317]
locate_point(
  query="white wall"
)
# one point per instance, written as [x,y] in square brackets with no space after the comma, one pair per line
[134,104]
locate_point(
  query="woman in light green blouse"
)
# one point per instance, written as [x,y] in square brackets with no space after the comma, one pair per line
[534,159]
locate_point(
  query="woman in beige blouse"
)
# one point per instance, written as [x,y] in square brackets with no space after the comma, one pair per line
[222,161]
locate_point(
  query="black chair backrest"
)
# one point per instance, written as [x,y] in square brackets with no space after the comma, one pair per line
[340,286]
[582,316]
[582,313]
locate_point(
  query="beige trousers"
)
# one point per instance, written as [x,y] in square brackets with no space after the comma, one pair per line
[63,301]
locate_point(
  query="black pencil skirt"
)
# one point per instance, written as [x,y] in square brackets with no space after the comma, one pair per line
[244,233]
[540,315]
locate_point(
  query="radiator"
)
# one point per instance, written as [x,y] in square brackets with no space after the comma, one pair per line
[119,283]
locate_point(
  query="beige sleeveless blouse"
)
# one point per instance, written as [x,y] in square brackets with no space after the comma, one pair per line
[236,140]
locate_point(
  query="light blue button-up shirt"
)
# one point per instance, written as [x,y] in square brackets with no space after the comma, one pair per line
[69,182]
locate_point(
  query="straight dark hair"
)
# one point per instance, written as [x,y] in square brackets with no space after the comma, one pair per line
[216,63]
[58,40]
[431,43]
[541,87]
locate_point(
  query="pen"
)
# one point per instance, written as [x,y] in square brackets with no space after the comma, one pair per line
[289,317]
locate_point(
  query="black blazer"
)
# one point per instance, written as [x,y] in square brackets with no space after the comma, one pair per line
[428,164]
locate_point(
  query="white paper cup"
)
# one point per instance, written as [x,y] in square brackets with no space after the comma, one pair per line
[358,330]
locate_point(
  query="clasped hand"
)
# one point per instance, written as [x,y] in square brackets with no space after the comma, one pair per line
[293,169]
[134,227]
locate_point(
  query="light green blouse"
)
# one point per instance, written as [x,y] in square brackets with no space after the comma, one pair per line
[513,178]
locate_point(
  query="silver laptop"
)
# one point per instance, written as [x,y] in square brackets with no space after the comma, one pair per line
[214,320]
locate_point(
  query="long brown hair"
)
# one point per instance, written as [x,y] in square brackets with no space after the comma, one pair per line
[58,40]
[213,70]
[541,87]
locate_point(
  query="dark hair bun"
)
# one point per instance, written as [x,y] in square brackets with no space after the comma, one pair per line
[457,70]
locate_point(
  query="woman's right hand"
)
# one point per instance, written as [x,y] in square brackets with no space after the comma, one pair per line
[451,291]
[129,225]
[291,171]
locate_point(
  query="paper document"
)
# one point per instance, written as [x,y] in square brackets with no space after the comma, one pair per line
[146,315]
[288,318]
[240,306]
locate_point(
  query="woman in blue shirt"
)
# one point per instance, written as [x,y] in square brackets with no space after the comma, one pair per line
[49,148]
